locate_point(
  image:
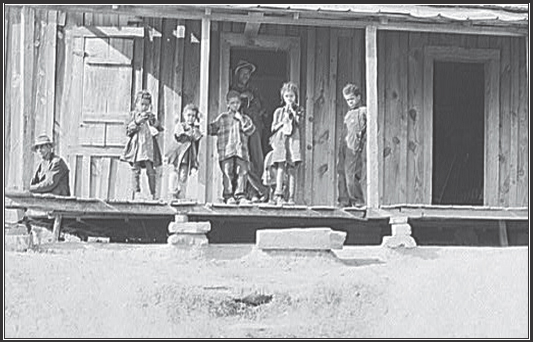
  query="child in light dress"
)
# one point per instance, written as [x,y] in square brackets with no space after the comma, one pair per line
[142,150]
[183,152]
[285,142]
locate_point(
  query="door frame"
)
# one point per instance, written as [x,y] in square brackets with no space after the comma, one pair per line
[490,58]
[79,157]
[291,45]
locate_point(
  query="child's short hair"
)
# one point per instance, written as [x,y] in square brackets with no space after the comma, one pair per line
[351,89]
[193,107]
[232,94]
[143,94]
[289,87]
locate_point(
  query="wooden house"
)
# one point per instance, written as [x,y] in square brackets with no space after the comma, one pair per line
[446,89]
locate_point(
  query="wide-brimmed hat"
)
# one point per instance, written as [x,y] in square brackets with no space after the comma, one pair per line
[42,139]
[244,65]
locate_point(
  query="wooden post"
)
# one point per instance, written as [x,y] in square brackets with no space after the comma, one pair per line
[372,153]
[504,242]
[22,102]
[57,227]
[204,104]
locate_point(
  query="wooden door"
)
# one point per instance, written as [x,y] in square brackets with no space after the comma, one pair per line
[106,72]
[291,45]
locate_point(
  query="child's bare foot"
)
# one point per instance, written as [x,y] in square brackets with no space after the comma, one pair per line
[290,202]
[230,200]
[244,200]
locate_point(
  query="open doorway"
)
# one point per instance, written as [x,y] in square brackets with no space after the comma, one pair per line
[458,133]
[272,70]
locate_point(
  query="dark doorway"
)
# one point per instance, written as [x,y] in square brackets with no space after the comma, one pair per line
[458,133]
[272,70]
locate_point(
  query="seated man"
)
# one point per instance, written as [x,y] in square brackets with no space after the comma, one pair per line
[52,175]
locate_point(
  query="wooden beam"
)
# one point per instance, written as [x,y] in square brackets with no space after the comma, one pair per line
[252,26]
[372,153]
[502,231]
[381,113]
[167,95]
[56,228]
[456,212]
[109,31]
[205,44]
[215,107]
[332,20]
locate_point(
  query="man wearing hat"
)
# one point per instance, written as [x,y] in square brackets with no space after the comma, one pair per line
[52,175]
[252,106]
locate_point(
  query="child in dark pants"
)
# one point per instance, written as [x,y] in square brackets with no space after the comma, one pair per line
[350,162]
[232,130]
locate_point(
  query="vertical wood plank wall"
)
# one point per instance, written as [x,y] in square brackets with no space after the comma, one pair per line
[171,72]
[400,86]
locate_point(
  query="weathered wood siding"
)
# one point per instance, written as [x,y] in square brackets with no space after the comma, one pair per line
[335,59]
[403,169]
[40,65]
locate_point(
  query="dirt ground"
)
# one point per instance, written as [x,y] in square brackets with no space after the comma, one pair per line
[90,290]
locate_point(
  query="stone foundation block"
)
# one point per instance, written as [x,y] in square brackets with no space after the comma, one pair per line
[397,241]
[398,219]
[189,227]
[300,239]
[401,229]
[337,239]
[190,240]
[181,218]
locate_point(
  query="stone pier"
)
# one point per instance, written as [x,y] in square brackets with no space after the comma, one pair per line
[401,234]
[188,234]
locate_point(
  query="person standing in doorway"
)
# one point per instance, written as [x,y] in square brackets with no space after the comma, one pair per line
[251,105]
[232,130]
[350,160]
[285,141]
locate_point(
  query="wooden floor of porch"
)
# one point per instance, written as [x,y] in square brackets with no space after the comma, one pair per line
[123,220]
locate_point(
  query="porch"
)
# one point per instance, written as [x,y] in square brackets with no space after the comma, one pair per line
[95,217]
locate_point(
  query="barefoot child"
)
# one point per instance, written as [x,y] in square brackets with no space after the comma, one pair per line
[183,152]
[142,149]
[232,130]
[285,142]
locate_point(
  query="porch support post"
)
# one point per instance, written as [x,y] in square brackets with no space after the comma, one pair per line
[372,153]
[204,106]
[57,227]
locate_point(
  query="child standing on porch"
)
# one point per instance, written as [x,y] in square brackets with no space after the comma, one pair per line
[142,149]
[183,152]
[350,162]
[285,142]
[232,130]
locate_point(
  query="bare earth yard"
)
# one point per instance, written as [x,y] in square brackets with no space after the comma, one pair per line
[84,290]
